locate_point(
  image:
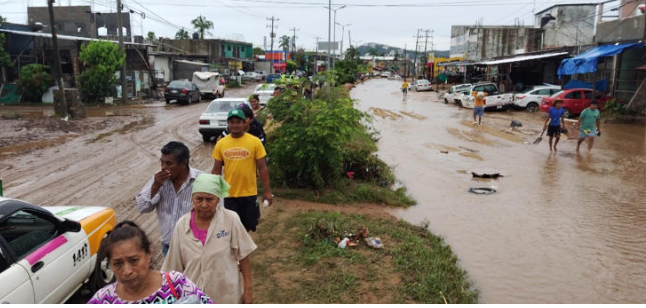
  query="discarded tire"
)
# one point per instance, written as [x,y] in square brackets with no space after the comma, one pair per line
[482,190]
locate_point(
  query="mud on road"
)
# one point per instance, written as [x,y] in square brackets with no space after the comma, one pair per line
[103,160]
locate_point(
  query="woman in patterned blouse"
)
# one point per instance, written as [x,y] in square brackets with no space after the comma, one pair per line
[128,251]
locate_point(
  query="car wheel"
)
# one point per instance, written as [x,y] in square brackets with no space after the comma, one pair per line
[206,138]
[190,100]
[567,113]
[446,101]
[533,107]
[222,95]
[168,101]
[199,97]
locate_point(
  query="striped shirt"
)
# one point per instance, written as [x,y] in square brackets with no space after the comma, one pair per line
[170,206]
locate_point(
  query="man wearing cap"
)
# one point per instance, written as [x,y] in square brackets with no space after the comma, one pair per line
[210,245]
[241,154]
[252,126]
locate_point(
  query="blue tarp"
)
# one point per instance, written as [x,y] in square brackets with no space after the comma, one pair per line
[602,85]
[587,61]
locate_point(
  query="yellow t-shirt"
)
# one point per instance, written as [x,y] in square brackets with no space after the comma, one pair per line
[405,85]
[478,102]
[239,156]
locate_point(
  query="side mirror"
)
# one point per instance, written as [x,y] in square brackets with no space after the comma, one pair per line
[71,226]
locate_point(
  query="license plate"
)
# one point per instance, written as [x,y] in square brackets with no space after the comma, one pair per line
[222,123]
[173,91]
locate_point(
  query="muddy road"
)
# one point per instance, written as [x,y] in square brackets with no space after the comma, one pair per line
[562,228]
[108,168]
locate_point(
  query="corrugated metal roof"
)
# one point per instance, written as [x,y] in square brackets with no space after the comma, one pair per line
[524,58]
[65,37]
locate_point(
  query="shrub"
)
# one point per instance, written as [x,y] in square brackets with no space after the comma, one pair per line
[233,84]
[102,60]
[34,81]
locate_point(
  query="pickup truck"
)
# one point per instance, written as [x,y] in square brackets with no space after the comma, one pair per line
[457,93]
[493,100]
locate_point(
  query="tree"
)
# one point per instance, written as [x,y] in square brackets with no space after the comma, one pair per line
[34,81]
[5,59]
[201,24]
[151,36]
[257,51]
[182,34]
[352,53]
[283,42]
[291,66]
[102,60]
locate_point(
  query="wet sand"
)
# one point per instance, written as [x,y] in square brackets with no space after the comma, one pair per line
[562,228]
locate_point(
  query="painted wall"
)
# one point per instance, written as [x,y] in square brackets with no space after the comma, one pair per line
[573,26]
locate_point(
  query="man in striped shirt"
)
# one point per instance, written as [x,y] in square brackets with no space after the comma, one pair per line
[170,190]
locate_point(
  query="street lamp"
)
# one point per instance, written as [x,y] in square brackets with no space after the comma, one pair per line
[334,38]
[342,33]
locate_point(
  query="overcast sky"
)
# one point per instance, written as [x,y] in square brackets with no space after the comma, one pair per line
[393,22]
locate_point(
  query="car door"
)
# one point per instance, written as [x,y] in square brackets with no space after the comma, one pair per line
[21,290]
[587,99]
[573,101]
[56,261]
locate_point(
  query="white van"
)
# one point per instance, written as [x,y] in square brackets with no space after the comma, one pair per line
[209,84]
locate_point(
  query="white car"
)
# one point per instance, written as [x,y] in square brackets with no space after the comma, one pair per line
[422,85]
[209,83]
[251,76]
[492,100]
[531,99]
[48,253]
[264,92]
[456,93]
[385,74]
[214,120]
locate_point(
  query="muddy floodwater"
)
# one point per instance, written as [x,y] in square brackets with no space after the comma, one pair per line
[562,227]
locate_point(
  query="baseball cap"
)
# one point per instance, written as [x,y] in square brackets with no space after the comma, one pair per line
[246,110]
[236,113]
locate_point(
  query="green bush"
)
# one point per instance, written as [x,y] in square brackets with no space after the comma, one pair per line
[614,108]
[233,84]
[33,82]
[102,60]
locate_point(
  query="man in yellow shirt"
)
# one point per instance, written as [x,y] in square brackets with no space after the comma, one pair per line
[405,88]
[241,154]
[478,106]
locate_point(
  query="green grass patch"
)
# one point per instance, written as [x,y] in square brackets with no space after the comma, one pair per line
[414,266]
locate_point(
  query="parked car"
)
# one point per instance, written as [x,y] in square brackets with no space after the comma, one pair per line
[272,77]
[48,253]
[456,93]
[251,76]
[385,74]
[183,91]
[574,101]
[531,99]
[262,74]
[493,100]
[214,120]
[210,84]
[422,85]
[264,92]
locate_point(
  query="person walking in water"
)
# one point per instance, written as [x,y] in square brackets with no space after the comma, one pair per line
[589,125]
[478,107]
[405,88]
[555,120]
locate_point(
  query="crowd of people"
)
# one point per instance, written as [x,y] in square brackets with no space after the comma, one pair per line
[204,220]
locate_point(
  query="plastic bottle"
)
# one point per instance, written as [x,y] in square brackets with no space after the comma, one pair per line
[343,243]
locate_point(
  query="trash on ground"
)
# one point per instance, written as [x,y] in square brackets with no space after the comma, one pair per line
[444,152]
[343,243]
[516,123]
[374,242]
[482,190]
[486,175]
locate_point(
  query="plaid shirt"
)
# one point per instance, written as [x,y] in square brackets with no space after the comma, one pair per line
[170,205]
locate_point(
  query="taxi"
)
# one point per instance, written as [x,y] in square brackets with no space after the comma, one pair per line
[48,253]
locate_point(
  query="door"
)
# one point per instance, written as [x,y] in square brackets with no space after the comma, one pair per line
[572,101]
[587,99]
[21,290]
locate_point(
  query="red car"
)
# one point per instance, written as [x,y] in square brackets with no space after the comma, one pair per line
[574,100]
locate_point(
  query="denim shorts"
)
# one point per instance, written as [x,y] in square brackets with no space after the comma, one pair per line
[478,111]
[583,134]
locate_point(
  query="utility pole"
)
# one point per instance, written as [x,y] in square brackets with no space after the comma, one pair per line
[124,84]
[425,64]
[316,55]
[329,36]
[271,52]
[415,61]
[61,107]
[349,39]
[405,63]
[294,39]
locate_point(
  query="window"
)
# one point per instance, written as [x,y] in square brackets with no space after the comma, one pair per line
[242,49]
[573,95]
[490,89]
[229,47]
[554,91]
[543,92]
[478,89]
[4,264]
[588,94]
[25,232]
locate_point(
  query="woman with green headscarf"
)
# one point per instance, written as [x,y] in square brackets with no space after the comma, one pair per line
[211,246]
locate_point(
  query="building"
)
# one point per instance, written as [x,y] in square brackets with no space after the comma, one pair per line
[233,55]
[81,21]
[566,25]
[478,43]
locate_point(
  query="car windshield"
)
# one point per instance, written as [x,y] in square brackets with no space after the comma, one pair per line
[222,106]
[178,84]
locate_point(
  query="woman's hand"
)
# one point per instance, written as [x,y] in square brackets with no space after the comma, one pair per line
[247,297]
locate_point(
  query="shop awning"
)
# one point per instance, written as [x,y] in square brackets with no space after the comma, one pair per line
[460,63]
[587,61]
[524,58]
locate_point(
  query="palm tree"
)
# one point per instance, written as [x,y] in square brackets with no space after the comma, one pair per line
[182,35]
[283,42]
[151,37]
[201,24]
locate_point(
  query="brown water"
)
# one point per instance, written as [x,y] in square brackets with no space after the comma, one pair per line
[562,228]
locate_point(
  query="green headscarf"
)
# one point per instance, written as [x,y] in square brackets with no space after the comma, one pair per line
[211,184]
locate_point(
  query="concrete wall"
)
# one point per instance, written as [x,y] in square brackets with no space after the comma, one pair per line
[574,25]
[161,66]
[488,42]
[629,8]
[620,30]
[68,18]
[262,66]
[208,48]
[109,21]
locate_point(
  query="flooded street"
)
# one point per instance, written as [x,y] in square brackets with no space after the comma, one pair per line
[562,228]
